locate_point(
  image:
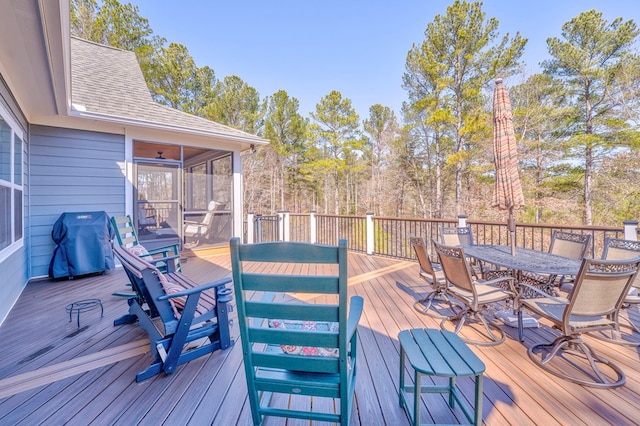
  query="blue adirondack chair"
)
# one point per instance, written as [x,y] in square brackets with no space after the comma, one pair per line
[175,311]
[296,348]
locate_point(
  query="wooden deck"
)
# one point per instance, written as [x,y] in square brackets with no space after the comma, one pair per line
[53,372]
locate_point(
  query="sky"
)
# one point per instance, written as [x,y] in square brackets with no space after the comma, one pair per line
[357,47]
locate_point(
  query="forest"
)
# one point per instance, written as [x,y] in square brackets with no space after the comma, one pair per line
[577,122]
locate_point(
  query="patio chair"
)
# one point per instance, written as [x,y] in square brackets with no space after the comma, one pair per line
[593,305]
[292,347]
[208,227]
[620,249]
[565,244]
[159,256]
[432,273]
[456,235]
[146,219]
[184,320]
[474,296]
[569,244]
[462,236]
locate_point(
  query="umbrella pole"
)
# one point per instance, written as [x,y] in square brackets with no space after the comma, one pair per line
[511,225]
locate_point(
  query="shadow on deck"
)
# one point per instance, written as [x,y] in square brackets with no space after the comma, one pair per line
[54,372]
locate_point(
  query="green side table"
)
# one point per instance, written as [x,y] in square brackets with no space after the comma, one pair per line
[439,353]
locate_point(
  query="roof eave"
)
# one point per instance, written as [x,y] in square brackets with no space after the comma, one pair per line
[245,141]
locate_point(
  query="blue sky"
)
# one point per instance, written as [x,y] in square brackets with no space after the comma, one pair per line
[359,48]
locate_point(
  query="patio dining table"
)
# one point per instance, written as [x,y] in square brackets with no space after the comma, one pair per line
[525,260]
[533,267]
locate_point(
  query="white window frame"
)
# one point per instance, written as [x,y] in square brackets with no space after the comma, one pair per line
[16,131]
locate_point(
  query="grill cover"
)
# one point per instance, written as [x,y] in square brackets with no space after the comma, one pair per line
[83,244]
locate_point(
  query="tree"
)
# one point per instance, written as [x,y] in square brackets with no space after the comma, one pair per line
[589,59]
[428,117]
[286,131]
[540,128]
[382,128]
[448,70]
[236,104]
[176,81]
[337,135]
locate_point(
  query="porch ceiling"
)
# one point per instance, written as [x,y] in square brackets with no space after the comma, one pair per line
[34,55]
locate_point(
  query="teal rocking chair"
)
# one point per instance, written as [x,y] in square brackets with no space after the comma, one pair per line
[298,340]
[127,238]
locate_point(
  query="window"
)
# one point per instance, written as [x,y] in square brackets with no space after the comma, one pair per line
[11,191]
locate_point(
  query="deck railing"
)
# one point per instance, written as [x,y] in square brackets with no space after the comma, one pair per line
[387,236]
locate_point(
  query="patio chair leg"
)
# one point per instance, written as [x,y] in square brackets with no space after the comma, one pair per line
[425,304]
[478,317]
[569,345]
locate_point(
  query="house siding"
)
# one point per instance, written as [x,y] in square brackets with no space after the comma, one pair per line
[71,171]
[14,269]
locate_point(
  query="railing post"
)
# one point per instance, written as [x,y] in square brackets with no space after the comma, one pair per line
[462,220]
[250,229]
[259,228]
[631,230]
[312,227]
[370,234]
[280,226]
[285,225]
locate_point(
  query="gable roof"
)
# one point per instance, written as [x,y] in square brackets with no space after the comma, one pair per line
[107,82]
[37,66]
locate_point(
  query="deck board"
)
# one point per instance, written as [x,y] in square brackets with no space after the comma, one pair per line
[38,338]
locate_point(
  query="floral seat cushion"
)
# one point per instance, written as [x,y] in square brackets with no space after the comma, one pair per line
[140,251]
[306,326]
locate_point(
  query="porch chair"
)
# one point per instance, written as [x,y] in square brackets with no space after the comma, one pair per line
[474,296]
[593,304]
[184,320]
[456,235]
[208,227]
[289,346]
[146,219]
[432,273]
[569,244]
[620,249]
[126,236]
[461,236]
[565,244]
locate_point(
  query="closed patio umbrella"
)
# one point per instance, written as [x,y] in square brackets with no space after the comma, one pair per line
[507,194]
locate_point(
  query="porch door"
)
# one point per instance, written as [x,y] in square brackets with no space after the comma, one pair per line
[157,208]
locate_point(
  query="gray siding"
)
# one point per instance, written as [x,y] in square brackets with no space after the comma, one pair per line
[14,269]
[71,171]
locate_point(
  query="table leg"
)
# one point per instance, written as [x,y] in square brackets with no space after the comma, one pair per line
[478,407]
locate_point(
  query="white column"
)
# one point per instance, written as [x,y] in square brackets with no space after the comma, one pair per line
[250,228]
[462,220]
[370,233]
[285,225]
[312,228]
[280,226]
[631,230]
[237,194]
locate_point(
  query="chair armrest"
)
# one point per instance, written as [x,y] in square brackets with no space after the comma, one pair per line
[511,281]
[535,289]
[162,259]
[199,289]
[172,248]
[355,311]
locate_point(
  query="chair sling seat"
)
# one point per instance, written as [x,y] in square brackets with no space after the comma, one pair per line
[626,332]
